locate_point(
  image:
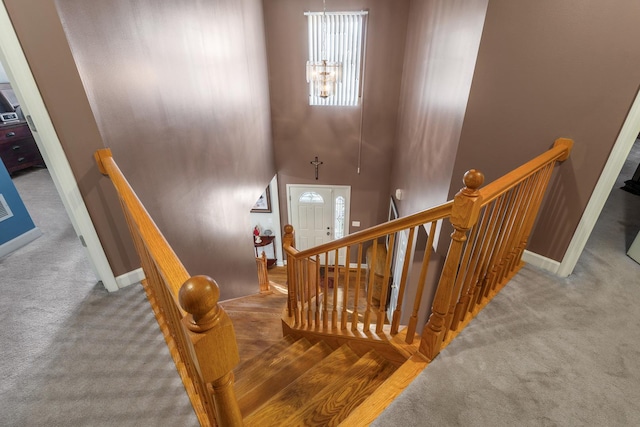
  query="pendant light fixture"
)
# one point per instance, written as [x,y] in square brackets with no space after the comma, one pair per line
[324,75]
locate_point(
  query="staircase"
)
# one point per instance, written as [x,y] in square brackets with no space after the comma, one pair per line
[295,383]
[344,358]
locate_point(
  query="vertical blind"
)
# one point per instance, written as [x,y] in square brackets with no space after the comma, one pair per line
[339,37]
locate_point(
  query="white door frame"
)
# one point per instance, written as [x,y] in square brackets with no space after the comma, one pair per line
[24,85]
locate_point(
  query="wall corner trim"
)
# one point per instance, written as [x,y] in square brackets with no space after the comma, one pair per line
[540,261]
[130,278]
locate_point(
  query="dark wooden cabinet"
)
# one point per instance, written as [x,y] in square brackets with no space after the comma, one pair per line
[18,149]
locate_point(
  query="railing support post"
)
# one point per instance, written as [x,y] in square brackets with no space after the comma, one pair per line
[213,343]
[464,214]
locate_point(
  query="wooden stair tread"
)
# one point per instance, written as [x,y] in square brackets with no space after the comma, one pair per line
[261,369]
[246,367]
[280,378]
[293,397]
[333,403]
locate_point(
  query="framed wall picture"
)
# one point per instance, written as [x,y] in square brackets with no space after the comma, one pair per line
[263,204]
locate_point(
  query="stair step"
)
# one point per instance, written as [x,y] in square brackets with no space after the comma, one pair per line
[333,403]
[246,368]
[261,369]
[293,397]
[280,378]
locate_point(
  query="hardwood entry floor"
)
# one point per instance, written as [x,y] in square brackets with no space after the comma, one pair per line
[257,318]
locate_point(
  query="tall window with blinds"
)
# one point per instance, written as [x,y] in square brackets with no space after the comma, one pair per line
[336,50]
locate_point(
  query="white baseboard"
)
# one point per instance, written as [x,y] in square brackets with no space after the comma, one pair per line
[540,261]
[20,241]
[130,278]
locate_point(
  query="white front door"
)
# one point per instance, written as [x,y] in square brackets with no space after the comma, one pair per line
[311,215]
[314,217]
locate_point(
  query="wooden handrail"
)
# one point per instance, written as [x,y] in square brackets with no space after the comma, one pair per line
[199,334]
[168,263]
[429,215]
[560,151]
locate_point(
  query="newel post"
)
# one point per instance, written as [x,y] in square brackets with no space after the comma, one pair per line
[214,343]
[464,214]
[289,236]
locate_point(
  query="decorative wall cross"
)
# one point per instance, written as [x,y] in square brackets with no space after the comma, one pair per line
[316,163]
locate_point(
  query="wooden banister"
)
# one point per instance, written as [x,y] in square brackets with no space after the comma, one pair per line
[491,226]
[168,263]
[198,332]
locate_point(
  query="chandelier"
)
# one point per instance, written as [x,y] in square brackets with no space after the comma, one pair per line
[324,75]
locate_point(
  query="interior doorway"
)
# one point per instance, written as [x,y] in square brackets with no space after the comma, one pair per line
[23,83]
[319,214]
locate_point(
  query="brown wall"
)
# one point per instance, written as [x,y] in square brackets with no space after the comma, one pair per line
[549,69]
[301,132]
[179,92]
[442,43]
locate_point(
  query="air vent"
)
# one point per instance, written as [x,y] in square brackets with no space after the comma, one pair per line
[5,211]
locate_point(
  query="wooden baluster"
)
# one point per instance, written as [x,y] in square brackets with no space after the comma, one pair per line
[300,290]
[567,144]
[214,344]
[356,297]
[336,287]
[288,239]
[529,220]
[491,252]
[385,286]
[501,242]
[395,324]
[345,297]
[485,254]
[527,191]
[325,309]
[413,320]
[308,289]
[317,291]
[528,204]
[371,271]
[464,214]
[509,224]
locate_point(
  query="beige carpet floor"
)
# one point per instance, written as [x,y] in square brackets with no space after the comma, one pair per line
[545,352]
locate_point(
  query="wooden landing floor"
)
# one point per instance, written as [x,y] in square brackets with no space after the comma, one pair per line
[257,321]
[257,318]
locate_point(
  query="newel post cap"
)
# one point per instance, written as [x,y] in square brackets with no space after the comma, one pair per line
[473,179]
[199,297]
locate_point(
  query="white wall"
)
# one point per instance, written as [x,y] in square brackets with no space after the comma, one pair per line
[270,220]
[3,75]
